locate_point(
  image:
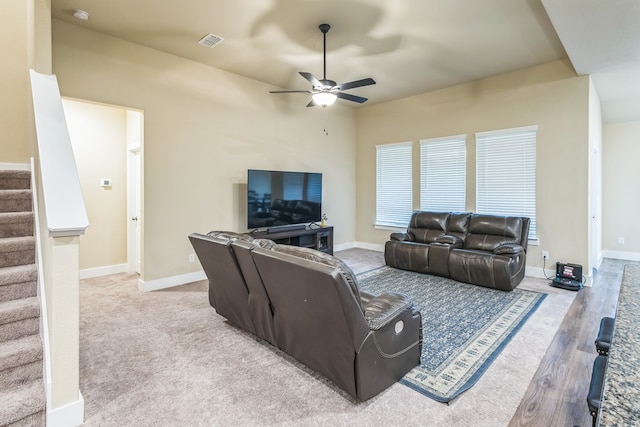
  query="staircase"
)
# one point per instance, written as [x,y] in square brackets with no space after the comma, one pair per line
[22,392]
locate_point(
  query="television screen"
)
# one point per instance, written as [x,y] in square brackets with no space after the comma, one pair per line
[279,198]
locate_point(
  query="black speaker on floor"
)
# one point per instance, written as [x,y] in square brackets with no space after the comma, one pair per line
[568,276]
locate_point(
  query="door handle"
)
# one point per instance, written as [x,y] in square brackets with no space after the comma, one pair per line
[135,218]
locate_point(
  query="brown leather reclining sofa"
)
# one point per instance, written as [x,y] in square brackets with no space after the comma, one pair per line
[308,304]
[485,250]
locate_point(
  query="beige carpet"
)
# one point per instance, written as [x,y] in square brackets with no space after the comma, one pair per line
[166,358]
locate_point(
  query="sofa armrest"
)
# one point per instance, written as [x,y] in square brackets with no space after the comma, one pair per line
[402,237]
[508,249]
[381,310]
[448,239]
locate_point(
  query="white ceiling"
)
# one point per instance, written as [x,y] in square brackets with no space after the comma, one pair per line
[407,46]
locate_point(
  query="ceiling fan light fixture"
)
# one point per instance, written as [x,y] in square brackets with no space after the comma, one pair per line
[324,99]
[83,15]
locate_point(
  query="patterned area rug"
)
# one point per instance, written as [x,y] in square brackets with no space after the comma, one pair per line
[464,327]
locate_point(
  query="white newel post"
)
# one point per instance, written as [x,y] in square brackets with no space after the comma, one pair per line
[62,219]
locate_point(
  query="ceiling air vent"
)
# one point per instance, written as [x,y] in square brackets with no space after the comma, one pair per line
[210,40]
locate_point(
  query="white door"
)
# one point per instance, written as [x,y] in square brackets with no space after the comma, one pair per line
[134,210]
[137,219]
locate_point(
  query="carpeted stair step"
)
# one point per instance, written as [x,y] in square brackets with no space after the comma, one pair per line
[19,318]
[19,281]
[17,251]
[15,180]
[20,361]
[23,405]
[16,201]
[16,224]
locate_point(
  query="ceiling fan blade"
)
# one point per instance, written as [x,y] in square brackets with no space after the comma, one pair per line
[312,103]
[357,83]
[290,91]
[350,97]
[311,78]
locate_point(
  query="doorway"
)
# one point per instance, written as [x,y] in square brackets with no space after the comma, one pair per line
[107,141]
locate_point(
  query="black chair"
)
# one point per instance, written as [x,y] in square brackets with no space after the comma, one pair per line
[596,387]
[605,334]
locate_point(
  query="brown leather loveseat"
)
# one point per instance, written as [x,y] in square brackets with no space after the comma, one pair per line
[485,250]
[308,304]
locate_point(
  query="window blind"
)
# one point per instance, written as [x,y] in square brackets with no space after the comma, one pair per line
[443,174]
[393,184]
[506,174]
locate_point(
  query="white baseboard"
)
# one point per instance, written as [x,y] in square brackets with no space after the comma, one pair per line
[630,256]
[370,246]
[169,282]
[343,246]
[539,273]
[71,414]
[15,166]
[103,271]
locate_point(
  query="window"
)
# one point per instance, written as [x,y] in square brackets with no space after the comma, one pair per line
[393,184]
[506,173]
[443,174]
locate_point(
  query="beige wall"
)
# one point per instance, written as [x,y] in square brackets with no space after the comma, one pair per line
[16,26]
[203,129]
[621,199]
[99,139]
[549,96]
[25,42]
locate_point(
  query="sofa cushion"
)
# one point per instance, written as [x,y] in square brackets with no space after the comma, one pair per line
[426,227]
[449,239]
[401,237]
[458,224]
[487,232]
[508,249]
[321,257]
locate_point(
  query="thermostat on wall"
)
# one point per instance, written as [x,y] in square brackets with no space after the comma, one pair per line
[105,182]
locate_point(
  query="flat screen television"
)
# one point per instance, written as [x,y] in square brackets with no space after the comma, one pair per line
[282,198]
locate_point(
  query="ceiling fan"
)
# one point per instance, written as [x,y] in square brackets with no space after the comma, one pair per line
[325,92]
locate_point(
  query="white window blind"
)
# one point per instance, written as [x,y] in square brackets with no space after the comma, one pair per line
[506,174]
[393,184]
[443,174]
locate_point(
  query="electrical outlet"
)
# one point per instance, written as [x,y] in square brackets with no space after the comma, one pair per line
[621,240]
[545,255]
[192,258]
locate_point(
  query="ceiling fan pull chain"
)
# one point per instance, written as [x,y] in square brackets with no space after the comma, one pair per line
[326,120]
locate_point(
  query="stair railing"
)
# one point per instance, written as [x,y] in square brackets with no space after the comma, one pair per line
[62,219]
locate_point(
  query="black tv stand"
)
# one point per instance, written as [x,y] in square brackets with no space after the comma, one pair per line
[320,239]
